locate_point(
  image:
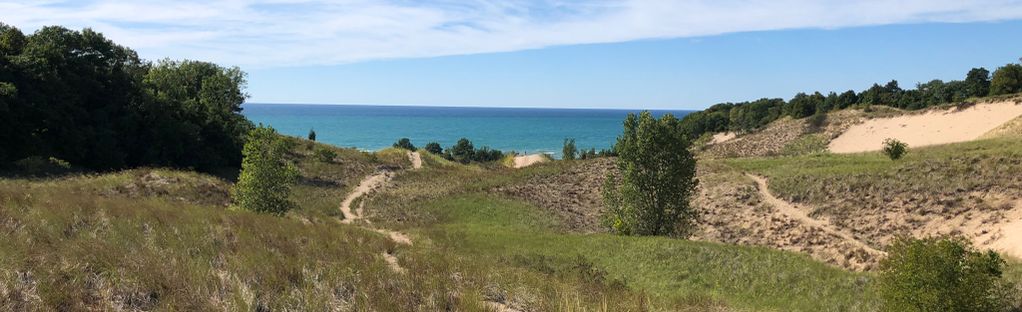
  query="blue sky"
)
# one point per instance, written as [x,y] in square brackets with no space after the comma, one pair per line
[558,53]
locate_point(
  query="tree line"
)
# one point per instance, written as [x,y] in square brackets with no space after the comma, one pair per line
[79,97]
[751,115]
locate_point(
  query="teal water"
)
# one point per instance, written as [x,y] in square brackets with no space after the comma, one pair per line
[525,130]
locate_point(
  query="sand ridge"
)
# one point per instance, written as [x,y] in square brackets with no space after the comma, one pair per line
[529,160]
[929,128]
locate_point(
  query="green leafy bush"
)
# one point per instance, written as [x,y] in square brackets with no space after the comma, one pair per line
[894,149]
[941,274]
[405,143]
[434,148]
[266,178]
[657,178]
[41,166]
[312,135]
[324,154]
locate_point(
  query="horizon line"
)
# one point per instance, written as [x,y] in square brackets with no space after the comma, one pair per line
[475,106]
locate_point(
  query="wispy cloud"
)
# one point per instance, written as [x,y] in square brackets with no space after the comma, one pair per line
[271,33]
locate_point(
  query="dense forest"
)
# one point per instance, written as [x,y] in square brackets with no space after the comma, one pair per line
[78,97]
[747,116]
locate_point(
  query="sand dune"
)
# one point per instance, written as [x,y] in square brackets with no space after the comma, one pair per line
[934,127]
[529,160]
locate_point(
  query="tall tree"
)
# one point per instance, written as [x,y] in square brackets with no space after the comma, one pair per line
[657,178]
[1007,79]
[195,109]
[977,82]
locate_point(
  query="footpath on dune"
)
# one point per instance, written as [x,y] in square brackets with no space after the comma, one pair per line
[375,182]
[930,128]
[371,184]
[792,211]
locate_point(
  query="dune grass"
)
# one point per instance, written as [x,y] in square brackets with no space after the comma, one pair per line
[453,209]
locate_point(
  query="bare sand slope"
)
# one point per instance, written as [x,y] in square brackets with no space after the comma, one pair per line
[529,160]
[722,137]
[1005,237]
[934,127]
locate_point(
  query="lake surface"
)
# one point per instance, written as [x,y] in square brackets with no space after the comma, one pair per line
[526,130]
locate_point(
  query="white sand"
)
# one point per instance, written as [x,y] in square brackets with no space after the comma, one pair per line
[934,127]
[529,160]
[722,137]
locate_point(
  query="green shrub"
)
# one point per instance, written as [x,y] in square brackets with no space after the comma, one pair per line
[816,122]
[941,274]
[657,178]
[434,147]
[569,150]
[312,135]
[895,149]
[405,143]
[42,166]
[266,178]
[324,154]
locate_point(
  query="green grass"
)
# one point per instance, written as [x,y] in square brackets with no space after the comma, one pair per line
[946,173]
[453,209]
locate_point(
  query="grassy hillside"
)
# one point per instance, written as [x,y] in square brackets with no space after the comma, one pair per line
[459,209]
[931,184]
[153,238]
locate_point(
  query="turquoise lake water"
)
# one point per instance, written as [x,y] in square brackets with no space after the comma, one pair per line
[526,130]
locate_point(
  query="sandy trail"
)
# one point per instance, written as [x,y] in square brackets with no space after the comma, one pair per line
[934,127]
[794,212]
[368,185]
[529,160]
[392,263]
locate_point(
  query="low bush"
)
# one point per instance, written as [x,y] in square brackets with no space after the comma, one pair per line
[405,143]
[434,147]
[941,274]
[894,149]
[569,151]
[325,155]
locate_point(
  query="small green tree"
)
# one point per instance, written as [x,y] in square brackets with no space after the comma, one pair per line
[405,143]
[266,178]
[894,149]
[941,274]
[657,178]
[434,148]
[312,135]
[462,152]
[569,150]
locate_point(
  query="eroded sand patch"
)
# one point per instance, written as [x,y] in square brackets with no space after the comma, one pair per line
[930,128]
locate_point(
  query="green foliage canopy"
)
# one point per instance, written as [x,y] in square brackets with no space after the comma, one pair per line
[940,274]
[657,178]
[77,96]
[266,177]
